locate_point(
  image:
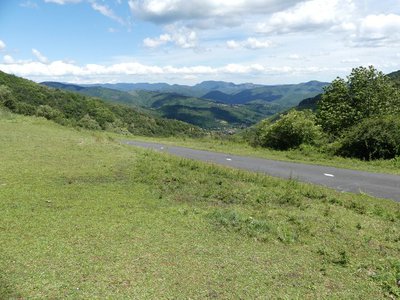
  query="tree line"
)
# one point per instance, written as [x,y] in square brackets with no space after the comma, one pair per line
[356,117]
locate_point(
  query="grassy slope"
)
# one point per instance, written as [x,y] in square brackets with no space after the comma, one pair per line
[85,217]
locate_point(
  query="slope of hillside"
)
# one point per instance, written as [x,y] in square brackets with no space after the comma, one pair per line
[201,112]
[26,97]
[84,217]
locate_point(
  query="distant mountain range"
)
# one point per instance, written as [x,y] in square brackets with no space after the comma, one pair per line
[228,92]
[210,104]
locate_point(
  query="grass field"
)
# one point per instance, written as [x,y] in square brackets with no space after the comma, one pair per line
[84,217]
[306,154]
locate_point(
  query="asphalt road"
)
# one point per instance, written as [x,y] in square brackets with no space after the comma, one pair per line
[344,180]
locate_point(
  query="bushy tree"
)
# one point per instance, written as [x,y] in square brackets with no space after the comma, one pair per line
[89,123]
[366,93]
[290,131]
[373,138]
[7,98]
[48,112]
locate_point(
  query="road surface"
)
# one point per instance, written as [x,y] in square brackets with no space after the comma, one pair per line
[344,180]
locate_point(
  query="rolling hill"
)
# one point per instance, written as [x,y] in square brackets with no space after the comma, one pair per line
[69,108]
[230,93]
[205,113]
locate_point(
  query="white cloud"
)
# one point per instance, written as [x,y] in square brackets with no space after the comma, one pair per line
[350,60]
[62,2]
[57,70]
[29,4]
[250,43]
[309,15]
[40,57]
[2,45]
[8,59]
[181,37]
[106,11]
[295,57]
[377,30]
[169,11]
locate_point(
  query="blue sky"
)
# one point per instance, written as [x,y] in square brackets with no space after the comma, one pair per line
[182,41]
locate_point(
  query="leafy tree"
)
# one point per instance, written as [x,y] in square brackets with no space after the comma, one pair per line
[7,98]
[48,112]
[89,123]
[290,131]
[373,138]
[366,93]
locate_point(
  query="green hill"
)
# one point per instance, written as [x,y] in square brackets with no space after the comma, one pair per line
[283,95]
[68,108]
[201,112]
[395,76]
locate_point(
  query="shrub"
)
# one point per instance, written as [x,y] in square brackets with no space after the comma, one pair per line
[290,131]
[89,123]
[48,112]
[373,138]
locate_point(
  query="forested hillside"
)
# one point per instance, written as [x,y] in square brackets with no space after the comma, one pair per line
[208,114]
[26,97]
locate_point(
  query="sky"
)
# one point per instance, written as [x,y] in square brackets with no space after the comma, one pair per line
[189,41]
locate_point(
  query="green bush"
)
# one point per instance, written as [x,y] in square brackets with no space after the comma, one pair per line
[290,131]
[48,112]
[373,138]
[89,123]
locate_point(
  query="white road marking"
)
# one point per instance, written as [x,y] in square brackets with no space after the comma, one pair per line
[229,159]
[329,175]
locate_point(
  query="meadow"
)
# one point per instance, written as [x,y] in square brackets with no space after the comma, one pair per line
[85,217]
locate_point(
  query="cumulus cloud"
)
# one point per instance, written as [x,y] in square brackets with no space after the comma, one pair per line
[60,70]
[308,15]
[8,59]
[378,30]
[2,45]
[181,37]
[40,57]
[250,43]
[169,11]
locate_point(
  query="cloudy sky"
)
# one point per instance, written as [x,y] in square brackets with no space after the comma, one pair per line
[188,41]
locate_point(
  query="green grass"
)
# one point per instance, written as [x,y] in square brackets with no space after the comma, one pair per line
[84,217]
[306,155]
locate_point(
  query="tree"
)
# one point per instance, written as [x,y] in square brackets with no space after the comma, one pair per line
[366,93]
[290,131]
[7,98]
[373,138]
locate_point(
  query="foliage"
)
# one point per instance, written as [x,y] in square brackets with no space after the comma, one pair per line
[366,93]
[26,97]
[89,123]
[290,131]
[373,138]
[48,112]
